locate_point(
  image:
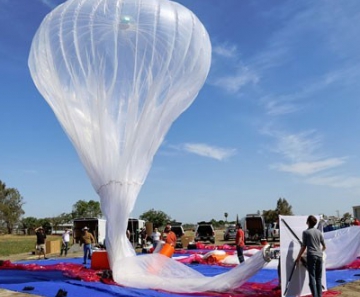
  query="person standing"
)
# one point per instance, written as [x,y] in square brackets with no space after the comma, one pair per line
[143,236]
[240,242]
[155,236]
[87,239]
[313,242]
[65,242]
[40,241]
[169,236]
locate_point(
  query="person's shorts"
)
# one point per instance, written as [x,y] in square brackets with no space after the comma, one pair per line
[40,247]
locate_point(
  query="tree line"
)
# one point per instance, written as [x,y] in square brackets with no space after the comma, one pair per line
[160,218]
[11,214]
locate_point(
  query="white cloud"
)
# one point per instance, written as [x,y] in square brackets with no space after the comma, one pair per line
[49,3]
[335,181]
[209,151]
[228,72]
[275,108]
[308,168]
[233,83]
[298,147]
[226,51]
[304,160]
[332,24]
[302,152]
[290,103]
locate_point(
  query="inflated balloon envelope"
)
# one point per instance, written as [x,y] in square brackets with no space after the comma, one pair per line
[117,73]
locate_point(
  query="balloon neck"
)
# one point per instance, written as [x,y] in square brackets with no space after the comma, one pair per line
[118,183]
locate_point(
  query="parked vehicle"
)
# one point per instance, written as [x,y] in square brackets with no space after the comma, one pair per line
[254,228]
[230,233]
[60,229]
[273,232]
[204,232]
[96,226]
[178,229]
[134,227]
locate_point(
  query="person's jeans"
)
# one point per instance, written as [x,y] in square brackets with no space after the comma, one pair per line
[64,247]
[315,264]
[87,252]
[240,253]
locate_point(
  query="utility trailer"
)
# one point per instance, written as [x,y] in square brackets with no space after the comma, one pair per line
[97,227]
[254,228]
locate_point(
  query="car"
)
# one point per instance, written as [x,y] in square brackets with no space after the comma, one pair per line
[204,232]
[178,229]
[273,232]
[230,233]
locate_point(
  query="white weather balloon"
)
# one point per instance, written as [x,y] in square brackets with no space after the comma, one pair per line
[117,73]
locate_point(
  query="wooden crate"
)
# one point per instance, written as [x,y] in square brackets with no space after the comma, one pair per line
[53,246]
[185,240]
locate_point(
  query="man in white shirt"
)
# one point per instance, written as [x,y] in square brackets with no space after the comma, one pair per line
[65,242]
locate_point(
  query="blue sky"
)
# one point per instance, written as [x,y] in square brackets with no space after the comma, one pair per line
[277,117]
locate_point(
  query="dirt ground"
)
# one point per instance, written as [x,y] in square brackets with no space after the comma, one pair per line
[345,290]
[349,290]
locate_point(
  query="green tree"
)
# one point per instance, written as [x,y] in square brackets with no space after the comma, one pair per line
[226,216]
[11,203]
[347,215]
[60,219]
[3,190]
[29,223]
[46,224]
[83,209]
[270,216]
[157,217]
[214,223]
[283,207]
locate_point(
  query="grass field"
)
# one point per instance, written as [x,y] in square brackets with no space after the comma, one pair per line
[18,244]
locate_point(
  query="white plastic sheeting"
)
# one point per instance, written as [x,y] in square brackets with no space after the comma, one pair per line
[156,271]
[342,246]
[289,249]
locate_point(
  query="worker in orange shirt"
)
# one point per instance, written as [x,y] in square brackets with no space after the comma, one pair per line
[240,243]
[169,236]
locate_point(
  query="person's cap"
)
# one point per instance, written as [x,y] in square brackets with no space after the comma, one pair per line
[85,228]
[41,228]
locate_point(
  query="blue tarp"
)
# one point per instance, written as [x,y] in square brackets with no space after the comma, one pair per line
[48,283]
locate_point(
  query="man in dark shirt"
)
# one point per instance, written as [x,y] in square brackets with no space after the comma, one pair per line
[40,241]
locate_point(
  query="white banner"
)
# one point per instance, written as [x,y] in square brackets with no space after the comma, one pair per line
[291,229]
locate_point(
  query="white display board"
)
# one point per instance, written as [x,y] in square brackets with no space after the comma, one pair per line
[289,249]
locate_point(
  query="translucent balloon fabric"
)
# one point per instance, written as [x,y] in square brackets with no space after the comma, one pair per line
[159,272]
[117,73]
